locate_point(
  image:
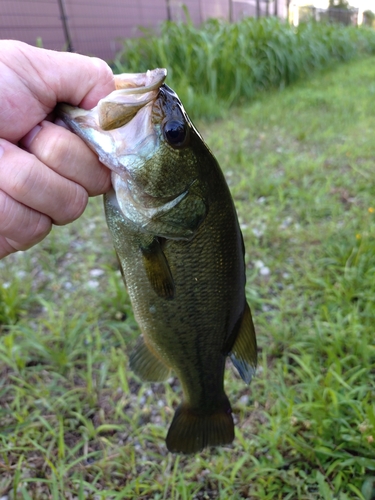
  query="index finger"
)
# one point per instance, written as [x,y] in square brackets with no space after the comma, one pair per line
[34,80]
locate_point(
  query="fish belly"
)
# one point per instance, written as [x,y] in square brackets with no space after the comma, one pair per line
[188,333]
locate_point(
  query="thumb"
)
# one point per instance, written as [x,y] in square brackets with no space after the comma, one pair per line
[76,79]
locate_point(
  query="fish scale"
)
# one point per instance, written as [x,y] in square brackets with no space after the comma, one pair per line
[177,237]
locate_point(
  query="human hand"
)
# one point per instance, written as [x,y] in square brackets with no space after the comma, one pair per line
[46,172]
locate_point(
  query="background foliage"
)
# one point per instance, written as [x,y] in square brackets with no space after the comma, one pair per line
[219,63]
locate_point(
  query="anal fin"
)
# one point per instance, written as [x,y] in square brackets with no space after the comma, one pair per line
[157,270]
[146,365]
[244,351]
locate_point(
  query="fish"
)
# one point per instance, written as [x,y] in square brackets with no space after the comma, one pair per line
[177,238]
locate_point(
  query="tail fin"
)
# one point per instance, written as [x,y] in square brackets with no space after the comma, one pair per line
[190,431]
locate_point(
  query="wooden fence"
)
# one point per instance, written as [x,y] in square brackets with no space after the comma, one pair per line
[96,27]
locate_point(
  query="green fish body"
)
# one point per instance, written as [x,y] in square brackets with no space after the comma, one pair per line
[178,241]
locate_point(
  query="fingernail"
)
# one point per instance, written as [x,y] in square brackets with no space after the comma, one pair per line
[30,136]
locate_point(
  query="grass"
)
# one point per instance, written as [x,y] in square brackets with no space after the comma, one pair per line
[75,423]
[219,63]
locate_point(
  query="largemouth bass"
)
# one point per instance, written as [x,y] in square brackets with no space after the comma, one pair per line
[178,241]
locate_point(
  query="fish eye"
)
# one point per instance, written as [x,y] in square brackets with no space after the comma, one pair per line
[175,132]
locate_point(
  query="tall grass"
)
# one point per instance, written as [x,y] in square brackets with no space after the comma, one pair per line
[218,64]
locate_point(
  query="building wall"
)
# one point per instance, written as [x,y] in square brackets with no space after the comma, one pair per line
[28,20]
[96,27]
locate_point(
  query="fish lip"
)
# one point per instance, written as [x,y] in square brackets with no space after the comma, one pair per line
[148,81]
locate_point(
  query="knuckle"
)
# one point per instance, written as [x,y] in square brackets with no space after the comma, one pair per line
[103,69]
[6,248]
[40,228]
[102,182]
[5,208]
[74,205]
[20,224]
[54,151]
[24,179]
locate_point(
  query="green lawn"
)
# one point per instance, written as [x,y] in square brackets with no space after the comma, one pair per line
[76,424]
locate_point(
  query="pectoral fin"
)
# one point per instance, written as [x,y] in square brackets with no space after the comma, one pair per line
[146,365]
[121,268]
[244,351]
[157,270]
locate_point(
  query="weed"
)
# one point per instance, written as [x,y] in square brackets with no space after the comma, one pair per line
[221,63]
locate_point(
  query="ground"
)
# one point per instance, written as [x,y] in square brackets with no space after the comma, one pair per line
[75,422]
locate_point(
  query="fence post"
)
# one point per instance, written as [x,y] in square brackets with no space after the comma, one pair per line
[258,8]
[64,19]
[169,14]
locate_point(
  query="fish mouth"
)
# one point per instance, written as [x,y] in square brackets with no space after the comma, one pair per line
[121,131]
[106,128]
[133,92]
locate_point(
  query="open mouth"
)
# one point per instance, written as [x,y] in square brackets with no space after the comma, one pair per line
[133,92]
